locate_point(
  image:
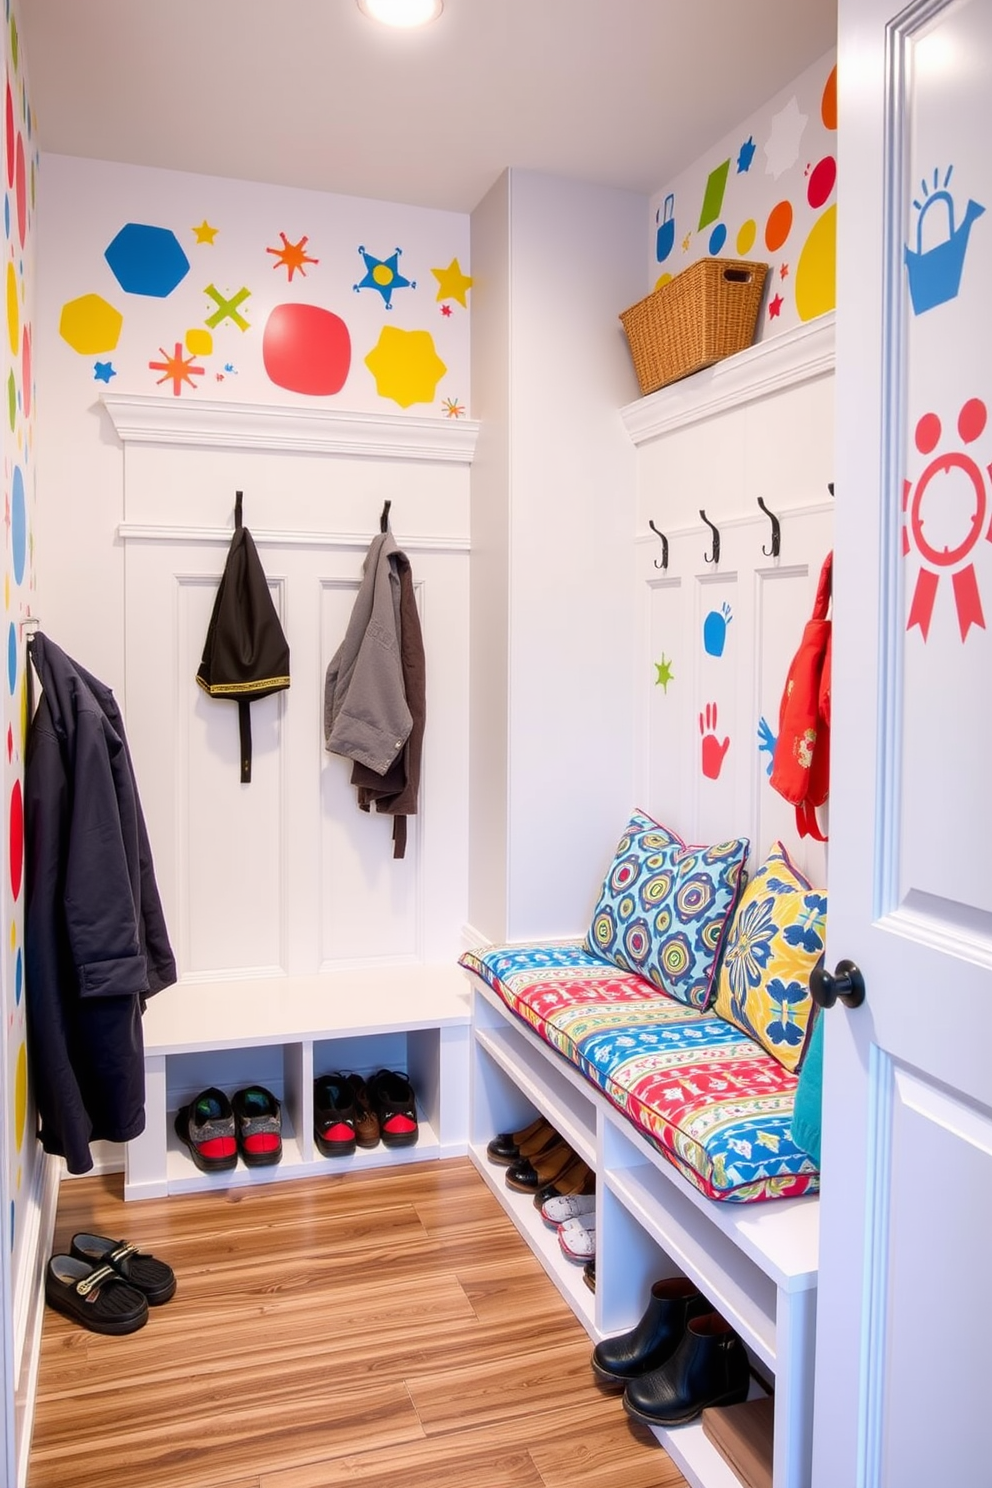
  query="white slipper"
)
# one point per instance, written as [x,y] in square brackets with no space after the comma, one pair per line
[578,1244]
[564,1207]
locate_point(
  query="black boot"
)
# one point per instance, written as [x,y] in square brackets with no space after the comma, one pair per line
[709,1367]
[653,1340]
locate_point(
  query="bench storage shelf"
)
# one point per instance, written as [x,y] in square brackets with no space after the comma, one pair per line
[283,1032]
[756,1262]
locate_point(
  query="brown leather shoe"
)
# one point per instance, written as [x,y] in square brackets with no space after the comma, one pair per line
[366,1121]
[527,1175]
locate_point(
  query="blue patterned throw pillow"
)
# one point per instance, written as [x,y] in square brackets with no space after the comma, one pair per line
[664,908]
[775,941]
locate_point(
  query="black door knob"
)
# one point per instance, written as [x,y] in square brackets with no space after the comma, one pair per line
[847,983]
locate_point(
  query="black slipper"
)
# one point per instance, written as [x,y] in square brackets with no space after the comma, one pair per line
[98,1297]
[153,1278]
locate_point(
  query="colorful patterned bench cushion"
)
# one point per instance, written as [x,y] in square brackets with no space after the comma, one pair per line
[709,1098]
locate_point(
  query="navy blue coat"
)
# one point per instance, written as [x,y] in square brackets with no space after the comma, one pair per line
[96,943]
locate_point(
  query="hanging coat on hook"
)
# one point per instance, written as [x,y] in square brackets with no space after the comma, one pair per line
[246,655]
[801,769]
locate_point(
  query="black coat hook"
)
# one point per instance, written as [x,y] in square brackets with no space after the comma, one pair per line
[384,519]
[713,557]
[776,546]
[830,487]
[664,546]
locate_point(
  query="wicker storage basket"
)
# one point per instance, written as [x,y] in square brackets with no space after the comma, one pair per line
[707,312]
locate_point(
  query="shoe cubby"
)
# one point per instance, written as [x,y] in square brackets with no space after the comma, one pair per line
[284,1032]
[756,1263]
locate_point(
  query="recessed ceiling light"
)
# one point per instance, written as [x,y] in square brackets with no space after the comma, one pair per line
[405,13]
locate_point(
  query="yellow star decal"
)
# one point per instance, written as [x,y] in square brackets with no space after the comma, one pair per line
[453,283]
[205,233]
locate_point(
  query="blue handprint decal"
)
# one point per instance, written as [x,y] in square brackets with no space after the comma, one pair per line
[766,743]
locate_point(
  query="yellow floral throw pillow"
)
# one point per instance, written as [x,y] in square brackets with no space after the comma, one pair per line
[775,940]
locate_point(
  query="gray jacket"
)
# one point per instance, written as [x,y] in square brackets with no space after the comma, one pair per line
[366,717]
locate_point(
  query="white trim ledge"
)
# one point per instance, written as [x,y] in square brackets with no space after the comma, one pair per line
[142,419]
[356,542]
[799,355]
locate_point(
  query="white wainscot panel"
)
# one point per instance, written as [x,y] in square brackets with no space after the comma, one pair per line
[230,849]
[666,684]
[939,1170]
[718,731]
[368,906]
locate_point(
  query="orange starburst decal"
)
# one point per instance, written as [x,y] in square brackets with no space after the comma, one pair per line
[176,368]
[292,256]
[453,409]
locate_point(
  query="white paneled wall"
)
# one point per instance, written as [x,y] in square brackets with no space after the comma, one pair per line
[285,875]
[716,639]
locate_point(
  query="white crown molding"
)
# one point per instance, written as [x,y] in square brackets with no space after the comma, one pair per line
[143,419]
[145,532]
[798,355]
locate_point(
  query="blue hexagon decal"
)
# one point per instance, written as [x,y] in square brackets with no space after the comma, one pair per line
[147,260]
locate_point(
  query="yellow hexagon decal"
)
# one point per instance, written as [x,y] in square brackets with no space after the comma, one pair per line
[90,324]
[405,366]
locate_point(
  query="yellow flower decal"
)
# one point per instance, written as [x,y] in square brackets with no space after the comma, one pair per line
[406,366]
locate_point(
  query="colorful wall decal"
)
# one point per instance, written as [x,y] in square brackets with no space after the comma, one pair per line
[828,101]
[198,341]
[935,273]
[822,179]
[103,371]
[664,671]
[816,271]
[766,742]
[18,525]
[292,256]
[306,349]
[176,369]
[90,324]
[227,309]
[453,409]
[954,531]
[383,275]
[778,226]
[784,139]
[746,234]
[715,629]
[406,366]
[716,185]
[205,233]
[665,239]
[717,239]
[768,208]
[147,260]
[452,283]
[713,751]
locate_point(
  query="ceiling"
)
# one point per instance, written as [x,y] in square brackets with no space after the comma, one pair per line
[310,93]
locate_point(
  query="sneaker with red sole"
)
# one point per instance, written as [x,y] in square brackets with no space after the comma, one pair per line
[206,1127]
[392,1099]
[334,1116]
[258,1124]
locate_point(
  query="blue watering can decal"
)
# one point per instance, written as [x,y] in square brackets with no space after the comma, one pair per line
[666,229]
[935,275]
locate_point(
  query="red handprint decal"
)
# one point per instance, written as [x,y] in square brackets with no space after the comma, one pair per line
[713,750]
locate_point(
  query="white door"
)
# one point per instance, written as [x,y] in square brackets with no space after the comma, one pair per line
[904,1320]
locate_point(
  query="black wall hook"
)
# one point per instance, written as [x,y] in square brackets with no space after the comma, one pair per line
[664,546]
[776,546]
[713,557]
[384,519]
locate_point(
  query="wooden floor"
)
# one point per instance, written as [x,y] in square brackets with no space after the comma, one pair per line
[381,1328]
